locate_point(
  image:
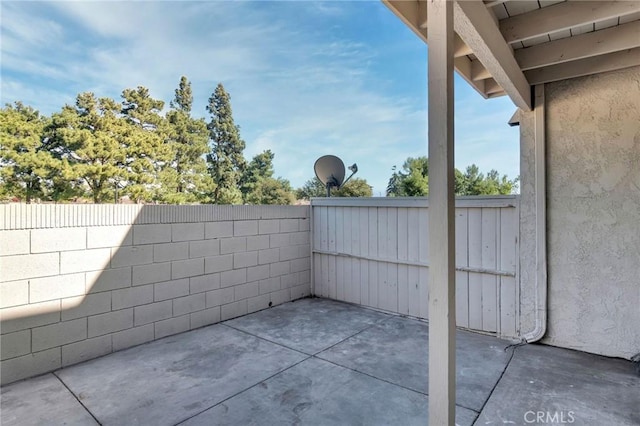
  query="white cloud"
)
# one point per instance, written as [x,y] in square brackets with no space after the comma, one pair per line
[301,84]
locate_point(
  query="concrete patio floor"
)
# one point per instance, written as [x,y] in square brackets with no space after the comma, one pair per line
[320,362]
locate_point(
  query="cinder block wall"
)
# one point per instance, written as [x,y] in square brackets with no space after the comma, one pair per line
[78,282]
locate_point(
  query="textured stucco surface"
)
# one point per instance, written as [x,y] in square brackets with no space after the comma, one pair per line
[593,213]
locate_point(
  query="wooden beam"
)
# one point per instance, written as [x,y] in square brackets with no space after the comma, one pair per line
[596,43]
[478,71]
[497,94]
[563,16]
[413,14]
[409,13]
[442,286]
[464,68]
[476,27]
[604,63]
[491,87]
[494,3]
[460,47]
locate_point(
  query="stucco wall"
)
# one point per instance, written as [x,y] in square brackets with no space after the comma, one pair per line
[593,212]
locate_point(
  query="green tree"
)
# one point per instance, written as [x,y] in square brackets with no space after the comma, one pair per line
[469,182]
[393,187]
[494,184]
[259,168]
[27,166]
[147,152]
[258,186]
[226,162]
[413,180]
[356,187]
[184,178]
[271,191]
[311,188]
[89,137]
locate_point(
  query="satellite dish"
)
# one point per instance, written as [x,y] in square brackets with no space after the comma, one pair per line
[330,171]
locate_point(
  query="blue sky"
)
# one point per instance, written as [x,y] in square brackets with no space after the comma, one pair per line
[306,78]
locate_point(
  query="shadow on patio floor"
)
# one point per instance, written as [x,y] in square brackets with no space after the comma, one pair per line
[316,361]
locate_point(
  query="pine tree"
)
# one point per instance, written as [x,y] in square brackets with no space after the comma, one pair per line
[259,168]
[145,143]
[90,139]
[27,166]
[184,179]
[226,162]
[413,180]
[258,186]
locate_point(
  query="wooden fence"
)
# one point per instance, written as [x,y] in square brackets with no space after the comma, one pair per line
[375,252]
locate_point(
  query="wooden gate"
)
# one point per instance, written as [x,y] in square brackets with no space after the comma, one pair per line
[375,252]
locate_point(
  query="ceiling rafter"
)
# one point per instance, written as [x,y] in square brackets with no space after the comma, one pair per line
[413,14]
[494,3]
[563,16]
[476,26]
[478,71]
[621,37]
[464,67]
[460,48]
[605,63]
[489,64]
[491,87]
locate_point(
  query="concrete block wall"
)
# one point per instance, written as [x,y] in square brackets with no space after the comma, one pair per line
[127,276]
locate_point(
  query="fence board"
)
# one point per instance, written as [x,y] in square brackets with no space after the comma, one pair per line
[340,248]
[475,300]
[403,270]
[331,227]
[333,291]
[403,289]
[462,299]
[390,301]
[508,305]
[413,238]
[423,297]
[489,294]
[423,236]
[414,285]
[346,265]
[363,249]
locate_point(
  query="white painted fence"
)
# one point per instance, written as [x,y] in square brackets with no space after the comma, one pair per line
[375,252]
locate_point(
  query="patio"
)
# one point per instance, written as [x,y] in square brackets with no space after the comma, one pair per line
[318,361]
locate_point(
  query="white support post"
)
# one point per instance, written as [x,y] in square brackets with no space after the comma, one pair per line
[442,315]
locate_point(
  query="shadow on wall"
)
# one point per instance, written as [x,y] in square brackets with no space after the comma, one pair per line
[82,281]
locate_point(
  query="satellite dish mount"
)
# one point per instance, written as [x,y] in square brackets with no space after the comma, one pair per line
[330,171]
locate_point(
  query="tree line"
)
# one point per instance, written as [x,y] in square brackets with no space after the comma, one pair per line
[102,149]
[413,181]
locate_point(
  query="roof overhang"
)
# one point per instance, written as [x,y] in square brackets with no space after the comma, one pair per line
[503,47]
